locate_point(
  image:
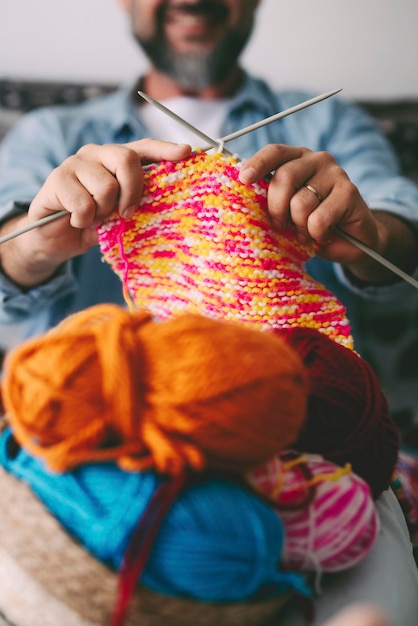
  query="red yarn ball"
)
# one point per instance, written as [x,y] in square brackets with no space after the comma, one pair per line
[348,416]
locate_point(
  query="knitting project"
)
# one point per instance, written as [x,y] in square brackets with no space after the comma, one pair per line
[173,386]
[201,242]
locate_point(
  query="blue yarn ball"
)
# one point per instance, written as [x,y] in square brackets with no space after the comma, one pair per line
[218,542]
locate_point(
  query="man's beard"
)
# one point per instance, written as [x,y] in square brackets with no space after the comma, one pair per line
[195,70]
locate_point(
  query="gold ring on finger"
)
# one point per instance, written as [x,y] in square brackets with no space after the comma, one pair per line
[315,192]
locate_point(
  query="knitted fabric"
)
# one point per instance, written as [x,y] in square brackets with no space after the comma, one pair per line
[201,242]
[328,512]
[189,391]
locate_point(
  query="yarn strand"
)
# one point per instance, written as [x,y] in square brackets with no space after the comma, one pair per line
[141,544]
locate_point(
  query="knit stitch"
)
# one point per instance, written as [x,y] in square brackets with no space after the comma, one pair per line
[201,242]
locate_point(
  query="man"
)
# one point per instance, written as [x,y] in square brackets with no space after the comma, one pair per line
[86,159]
[194,48]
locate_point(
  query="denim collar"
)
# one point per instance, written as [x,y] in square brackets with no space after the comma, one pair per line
[126,124]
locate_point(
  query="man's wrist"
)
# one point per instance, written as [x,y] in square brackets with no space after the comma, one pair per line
[25,270]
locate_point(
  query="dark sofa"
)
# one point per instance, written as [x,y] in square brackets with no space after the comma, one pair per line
[389,334]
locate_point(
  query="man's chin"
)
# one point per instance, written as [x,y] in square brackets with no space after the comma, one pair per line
[194,65]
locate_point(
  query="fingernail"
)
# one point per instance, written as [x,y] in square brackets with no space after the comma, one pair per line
[128,213]
[247,175]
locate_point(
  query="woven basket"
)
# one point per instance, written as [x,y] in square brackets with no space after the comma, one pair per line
[48,579]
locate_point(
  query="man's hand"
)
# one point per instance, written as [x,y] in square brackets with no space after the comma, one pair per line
[310,192]
[88,185]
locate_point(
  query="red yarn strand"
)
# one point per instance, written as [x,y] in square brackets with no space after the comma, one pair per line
[141,544]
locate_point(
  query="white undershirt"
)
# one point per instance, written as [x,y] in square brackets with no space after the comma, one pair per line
[207,115]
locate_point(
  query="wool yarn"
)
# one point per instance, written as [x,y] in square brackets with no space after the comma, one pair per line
[407,474]
[328,512]
[348,418]
[200,388]
[189,392]
[219,542]
[201,242]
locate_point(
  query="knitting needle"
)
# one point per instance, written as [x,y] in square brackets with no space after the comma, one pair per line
[196,131]
[248,129]
[217,144]
[28,227]
[377,257]
[212,144]
[276,116]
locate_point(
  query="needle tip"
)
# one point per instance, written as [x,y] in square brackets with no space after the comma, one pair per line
[144,96]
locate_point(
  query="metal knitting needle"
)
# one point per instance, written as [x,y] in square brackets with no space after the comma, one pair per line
[275,117]
[248,129]
[40,222]
[377,257]
[217,144]
[212,144]
[155,103]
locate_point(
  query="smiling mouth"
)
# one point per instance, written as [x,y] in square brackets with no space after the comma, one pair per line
[206,13]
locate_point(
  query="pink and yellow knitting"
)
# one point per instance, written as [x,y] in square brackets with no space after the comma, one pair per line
[201,242]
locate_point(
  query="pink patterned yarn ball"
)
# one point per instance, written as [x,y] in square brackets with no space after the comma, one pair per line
[201,242]
[328,513]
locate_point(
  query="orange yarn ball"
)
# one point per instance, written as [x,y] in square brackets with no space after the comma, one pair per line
[188,392]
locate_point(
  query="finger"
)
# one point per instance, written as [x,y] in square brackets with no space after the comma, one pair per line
[347,210]
[286,206]
[342,206]
[266,160]
[63,191]
[105,191]
[87,190]
[288,200]
[154,150]
[90,238]
[123,164]
[302,204]
[311,195]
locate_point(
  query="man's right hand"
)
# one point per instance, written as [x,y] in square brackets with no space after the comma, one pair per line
[88,185]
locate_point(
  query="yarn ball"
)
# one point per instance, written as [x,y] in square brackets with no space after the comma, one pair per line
[348,416]
[187,392]
[407,475]
[218,542]
[201,242]
[328,512]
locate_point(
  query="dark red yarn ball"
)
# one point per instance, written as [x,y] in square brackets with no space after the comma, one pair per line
[348,416]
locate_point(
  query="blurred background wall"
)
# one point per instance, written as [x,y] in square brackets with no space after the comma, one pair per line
[367,47]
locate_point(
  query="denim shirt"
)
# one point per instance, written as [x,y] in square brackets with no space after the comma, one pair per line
[44,138]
